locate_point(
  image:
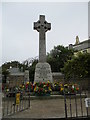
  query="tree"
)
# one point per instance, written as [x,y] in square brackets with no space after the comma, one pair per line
[78,66]
[58,56]
[7,65]
[5,73]
[32,70]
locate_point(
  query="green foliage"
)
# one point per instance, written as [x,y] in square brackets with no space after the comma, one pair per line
[78,66]
[32,70]
[58,56]
[7,65]
[5,73]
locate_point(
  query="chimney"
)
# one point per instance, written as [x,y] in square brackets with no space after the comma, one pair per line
[77,40]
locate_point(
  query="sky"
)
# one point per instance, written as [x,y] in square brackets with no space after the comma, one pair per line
[20,41]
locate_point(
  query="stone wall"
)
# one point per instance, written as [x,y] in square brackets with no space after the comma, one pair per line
[57,77]
[83,82]
[15,80]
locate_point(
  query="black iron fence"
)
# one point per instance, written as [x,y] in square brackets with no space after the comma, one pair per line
[77,108]
[74,102]
[14,101]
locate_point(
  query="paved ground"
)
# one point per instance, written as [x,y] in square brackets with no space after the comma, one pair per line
[50,108]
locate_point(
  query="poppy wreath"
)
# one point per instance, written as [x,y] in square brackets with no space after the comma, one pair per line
[42,88]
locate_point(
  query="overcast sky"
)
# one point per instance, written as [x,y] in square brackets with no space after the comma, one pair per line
[20,41]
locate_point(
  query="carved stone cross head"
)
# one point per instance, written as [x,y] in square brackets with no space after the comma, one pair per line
[42,24]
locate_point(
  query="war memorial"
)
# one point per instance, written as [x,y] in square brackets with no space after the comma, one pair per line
[43,99]
[43,69]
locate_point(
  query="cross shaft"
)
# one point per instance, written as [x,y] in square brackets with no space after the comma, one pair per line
[42,26]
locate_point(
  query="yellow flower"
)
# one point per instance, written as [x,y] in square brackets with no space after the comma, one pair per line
[27,82]
[61,85]
[35,89]
[62,88]
[50,89]
[48,81]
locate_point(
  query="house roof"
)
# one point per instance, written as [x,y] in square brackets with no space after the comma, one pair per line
[16,72]
[81,46]
[85,41]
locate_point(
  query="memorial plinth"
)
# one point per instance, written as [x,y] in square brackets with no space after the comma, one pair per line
[43,70]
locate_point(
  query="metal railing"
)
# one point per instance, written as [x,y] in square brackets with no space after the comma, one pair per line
[13,102]
[74,104]
[77,108]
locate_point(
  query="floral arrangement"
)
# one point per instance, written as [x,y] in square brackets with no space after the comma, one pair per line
[28,87]
[23,87]
[69,89]
[45,88]
[56,86]
[42,88]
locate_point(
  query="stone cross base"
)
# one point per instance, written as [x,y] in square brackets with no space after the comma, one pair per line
[43,73]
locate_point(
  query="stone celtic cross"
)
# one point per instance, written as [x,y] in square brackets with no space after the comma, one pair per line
[42,26]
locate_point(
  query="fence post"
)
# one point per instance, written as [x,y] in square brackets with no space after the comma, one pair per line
[65,103]
[70,106]
[88,110]
[29,92]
